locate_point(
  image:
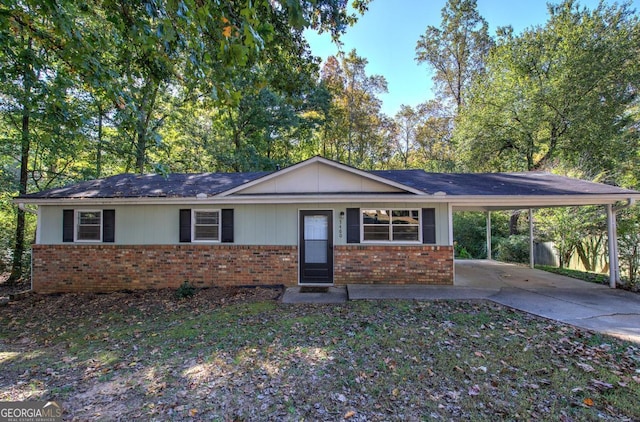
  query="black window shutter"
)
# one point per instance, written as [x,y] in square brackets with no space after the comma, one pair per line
[108,226]
[185,225]
[227,226]
[67,225]
[353,225]
[429,225]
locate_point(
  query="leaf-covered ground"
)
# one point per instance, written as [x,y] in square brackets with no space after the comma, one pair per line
[239,354]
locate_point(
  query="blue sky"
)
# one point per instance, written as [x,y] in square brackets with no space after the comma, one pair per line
[387,33]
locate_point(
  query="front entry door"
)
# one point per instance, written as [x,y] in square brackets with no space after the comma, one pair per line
[316,247]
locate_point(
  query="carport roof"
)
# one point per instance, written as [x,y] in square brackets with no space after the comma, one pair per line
[502,184]
[504,191]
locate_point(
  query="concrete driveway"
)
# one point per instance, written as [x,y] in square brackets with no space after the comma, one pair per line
[575,302]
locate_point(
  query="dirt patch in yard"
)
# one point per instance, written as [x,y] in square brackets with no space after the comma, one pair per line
[239,354]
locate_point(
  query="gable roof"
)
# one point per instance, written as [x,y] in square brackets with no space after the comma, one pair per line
[331,177]
[337,182]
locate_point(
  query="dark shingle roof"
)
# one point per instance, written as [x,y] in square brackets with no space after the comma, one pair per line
[151,186]
[483,184]
[453,184]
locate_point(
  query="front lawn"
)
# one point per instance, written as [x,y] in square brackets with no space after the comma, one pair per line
[238,354]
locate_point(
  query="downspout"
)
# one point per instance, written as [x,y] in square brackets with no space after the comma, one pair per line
[22,207]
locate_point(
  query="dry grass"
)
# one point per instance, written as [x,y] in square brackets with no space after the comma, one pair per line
[238,354]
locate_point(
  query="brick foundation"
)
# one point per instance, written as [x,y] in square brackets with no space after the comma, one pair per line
[420,264]
[106,268]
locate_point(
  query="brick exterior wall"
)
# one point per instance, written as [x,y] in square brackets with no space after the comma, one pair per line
[107,268]
[419,264]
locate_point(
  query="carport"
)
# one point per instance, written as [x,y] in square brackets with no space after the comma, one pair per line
[487,192]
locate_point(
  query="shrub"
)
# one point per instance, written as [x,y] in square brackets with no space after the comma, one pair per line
[513,249]
[185,290]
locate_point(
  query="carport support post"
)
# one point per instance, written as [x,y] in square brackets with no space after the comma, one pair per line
[611,234]
[531,251]
[488,234]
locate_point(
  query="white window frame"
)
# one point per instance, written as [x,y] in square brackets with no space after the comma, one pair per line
[193,226]
[76,226]
[391,241]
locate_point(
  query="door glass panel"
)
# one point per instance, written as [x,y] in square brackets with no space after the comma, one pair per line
[316,235]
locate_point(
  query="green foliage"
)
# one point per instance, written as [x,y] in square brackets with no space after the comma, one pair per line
[355,130]
[573,230]
[580,275]
[461,252]
[559,92]
[91,89]
[457,50]
[514,248]
[470,233]
[629,246]
[185,290]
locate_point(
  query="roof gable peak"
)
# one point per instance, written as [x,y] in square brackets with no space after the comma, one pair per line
[319,175]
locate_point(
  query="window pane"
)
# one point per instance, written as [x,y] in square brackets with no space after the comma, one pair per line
[89,217]
[375,216]
[405,233]
[376,232]
[206,217]
[316,227]
[89,232]
[405,217]
[206,233]
[315,251]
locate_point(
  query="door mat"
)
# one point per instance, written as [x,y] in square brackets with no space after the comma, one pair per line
[313,289]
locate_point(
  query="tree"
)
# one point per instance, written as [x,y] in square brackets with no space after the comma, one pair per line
[457,50]
[407,122]
[435,149]
[355,122]
[38,110]
[558,93]
[133,64]
[629,244]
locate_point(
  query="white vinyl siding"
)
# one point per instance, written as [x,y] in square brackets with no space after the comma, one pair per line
[254,224]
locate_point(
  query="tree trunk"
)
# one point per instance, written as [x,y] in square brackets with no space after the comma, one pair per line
[25,145]
[148,100]
[513,222]
[99,147]
[582,254]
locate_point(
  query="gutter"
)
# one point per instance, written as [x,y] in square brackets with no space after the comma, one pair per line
[470,201]
[22,207]
[630,203]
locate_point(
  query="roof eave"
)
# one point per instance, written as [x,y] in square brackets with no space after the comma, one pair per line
[478,202]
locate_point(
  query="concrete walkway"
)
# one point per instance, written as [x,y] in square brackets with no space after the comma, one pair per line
[575,302]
